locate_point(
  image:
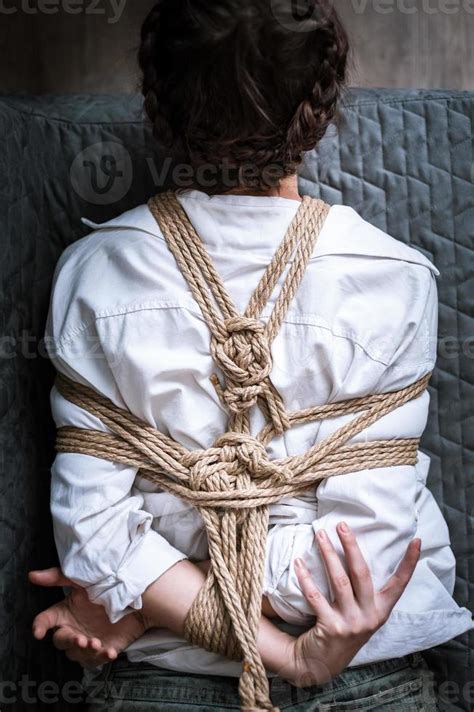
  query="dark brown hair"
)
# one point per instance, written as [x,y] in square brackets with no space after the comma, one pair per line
[244,87]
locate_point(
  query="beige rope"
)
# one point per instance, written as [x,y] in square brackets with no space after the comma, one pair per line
[232,482]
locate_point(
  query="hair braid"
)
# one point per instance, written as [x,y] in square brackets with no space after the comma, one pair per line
[230,83]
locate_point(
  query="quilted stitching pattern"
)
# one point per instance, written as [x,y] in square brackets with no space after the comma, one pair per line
[400,158]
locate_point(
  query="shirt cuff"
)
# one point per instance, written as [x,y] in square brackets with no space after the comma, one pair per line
[121,594]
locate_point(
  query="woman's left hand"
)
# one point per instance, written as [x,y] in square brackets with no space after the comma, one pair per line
[345,624]
[82,628]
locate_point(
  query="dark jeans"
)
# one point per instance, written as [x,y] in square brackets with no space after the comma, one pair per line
[400,684]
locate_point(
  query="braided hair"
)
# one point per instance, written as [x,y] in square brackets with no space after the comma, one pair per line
[240,89]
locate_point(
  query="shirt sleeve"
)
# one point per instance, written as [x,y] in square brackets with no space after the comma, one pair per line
[380,505]
[104,537]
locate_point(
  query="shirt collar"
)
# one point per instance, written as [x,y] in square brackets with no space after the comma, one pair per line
[345,232]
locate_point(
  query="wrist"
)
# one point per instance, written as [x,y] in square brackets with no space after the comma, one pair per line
[166,602]
[288,669]
[276,649]
[142,621]
[306,667]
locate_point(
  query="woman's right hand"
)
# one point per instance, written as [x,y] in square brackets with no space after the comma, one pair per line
[345,625]
[82,628]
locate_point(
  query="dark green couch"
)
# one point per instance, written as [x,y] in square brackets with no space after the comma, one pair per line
[401,158]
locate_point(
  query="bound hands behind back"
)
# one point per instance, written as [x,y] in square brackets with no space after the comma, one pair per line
[84,632]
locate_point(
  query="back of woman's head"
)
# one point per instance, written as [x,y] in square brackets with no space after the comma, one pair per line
[240,89]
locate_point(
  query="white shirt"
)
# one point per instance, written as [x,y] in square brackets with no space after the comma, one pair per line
[122,320]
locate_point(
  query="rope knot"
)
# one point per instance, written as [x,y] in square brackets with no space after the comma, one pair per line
[243,353]
[208,471]
[251,455]
[232,455]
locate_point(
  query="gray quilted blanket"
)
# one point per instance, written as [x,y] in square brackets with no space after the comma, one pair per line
[403,159]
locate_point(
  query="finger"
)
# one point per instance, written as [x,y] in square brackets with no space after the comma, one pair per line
[86,659]
[44,621]
[90,659]
[338,578]
[358,570]
[95,644]
[111,653]
[319,604]
[81,641]
[50,578]
[75,655]
[65,638]
[105,654]
[393,589]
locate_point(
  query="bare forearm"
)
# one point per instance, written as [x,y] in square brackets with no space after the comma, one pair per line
[276,648]
[167,601]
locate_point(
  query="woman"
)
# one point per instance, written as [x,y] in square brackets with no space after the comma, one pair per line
[239,91]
